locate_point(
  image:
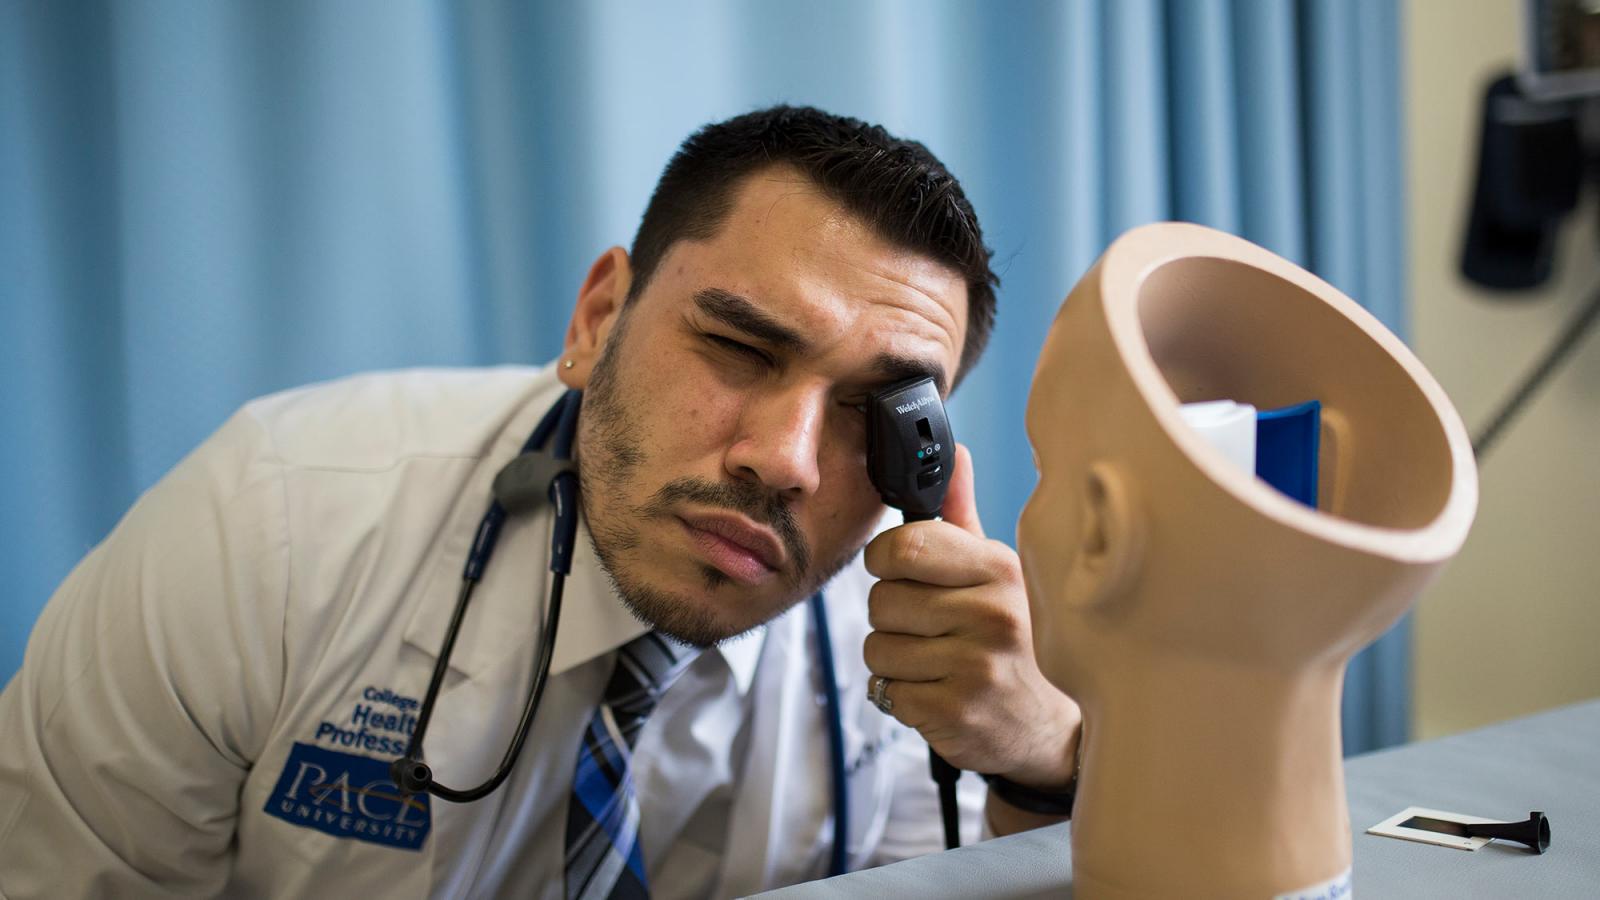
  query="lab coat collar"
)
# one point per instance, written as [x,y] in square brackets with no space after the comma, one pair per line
[510,605]
[501,618]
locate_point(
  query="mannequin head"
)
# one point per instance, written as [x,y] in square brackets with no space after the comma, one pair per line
[1142,542]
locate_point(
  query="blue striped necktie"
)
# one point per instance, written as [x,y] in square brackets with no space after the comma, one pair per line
[603,855]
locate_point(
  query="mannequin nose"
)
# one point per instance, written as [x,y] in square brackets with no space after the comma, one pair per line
[778,444]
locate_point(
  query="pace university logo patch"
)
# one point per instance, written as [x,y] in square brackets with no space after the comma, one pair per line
[348,796]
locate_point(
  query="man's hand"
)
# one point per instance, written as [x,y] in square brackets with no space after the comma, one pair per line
[951,631]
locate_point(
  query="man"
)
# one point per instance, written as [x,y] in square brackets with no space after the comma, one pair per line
[210,701]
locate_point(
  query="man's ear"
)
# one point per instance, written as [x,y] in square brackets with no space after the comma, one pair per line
[1112,540]
[600,301]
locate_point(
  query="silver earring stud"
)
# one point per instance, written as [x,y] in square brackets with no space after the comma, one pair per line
[567,364]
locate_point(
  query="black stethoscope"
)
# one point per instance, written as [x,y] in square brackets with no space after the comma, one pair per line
[540,475]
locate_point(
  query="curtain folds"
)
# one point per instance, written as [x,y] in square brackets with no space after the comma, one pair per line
[201,203]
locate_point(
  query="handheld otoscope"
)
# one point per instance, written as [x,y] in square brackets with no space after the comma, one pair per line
[910,455]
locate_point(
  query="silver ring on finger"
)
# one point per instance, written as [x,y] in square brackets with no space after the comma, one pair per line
[880,696]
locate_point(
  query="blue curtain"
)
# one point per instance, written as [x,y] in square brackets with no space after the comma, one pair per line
[204,202]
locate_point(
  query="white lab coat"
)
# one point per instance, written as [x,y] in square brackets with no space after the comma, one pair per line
[301,562]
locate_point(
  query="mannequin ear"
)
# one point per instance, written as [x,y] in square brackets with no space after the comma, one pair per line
[600,302]
[1112,540]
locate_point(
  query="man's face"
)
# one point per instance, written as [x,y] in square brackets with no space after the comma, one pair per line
[722,444]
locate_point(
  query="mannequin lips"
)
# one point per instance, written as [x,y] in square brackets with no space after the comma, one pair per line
[735,546]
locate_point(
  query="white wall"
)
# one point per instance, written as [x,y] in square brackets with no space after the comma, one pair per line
[1513,626]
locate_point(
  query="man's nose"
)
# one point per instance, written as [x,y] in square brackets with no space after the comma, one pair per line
[778,442]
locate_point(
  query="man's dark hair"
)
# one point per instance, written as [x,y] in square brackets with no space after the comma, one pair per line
[895,186]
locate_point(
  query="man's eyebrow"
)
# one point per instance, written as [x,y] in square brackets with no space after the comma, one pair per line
[901,368]
[741,314]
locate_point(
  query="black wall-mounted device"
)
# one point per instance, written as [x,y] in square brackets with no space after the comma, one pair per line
[1538,154]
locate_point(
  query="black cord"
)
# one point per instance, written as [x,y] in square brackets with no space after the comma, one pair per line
[541,674]
[1564,344]
[948,810]
[410,773]
[944,774]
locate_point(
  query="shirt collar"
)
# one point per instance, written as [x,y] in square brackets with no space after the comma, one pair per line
[741,654]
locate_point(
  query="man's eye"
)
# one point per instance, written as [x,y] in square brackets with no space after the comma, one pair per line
[740,349]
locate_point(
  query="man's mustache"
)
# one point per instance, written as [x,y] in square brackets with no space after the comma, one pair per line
[760,504]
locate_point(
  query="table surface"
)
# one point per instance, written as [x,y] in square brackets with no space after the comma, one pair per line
[1548,762]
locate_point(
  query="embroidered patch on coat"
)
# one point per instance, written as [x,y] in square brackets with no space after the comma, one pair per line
[348,796]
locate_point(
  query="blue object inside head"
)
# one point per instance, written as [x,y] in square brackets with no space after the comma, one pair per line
[1287,444]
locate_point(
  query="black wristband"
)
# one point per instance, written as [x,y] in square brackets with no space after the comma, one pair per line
[1045,803]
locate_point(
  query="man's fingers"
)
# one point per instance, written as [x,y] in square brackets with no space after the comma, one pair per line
[961,498]
[907,607]
[906,658]
[936,553]
[927,706]
[910,608]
